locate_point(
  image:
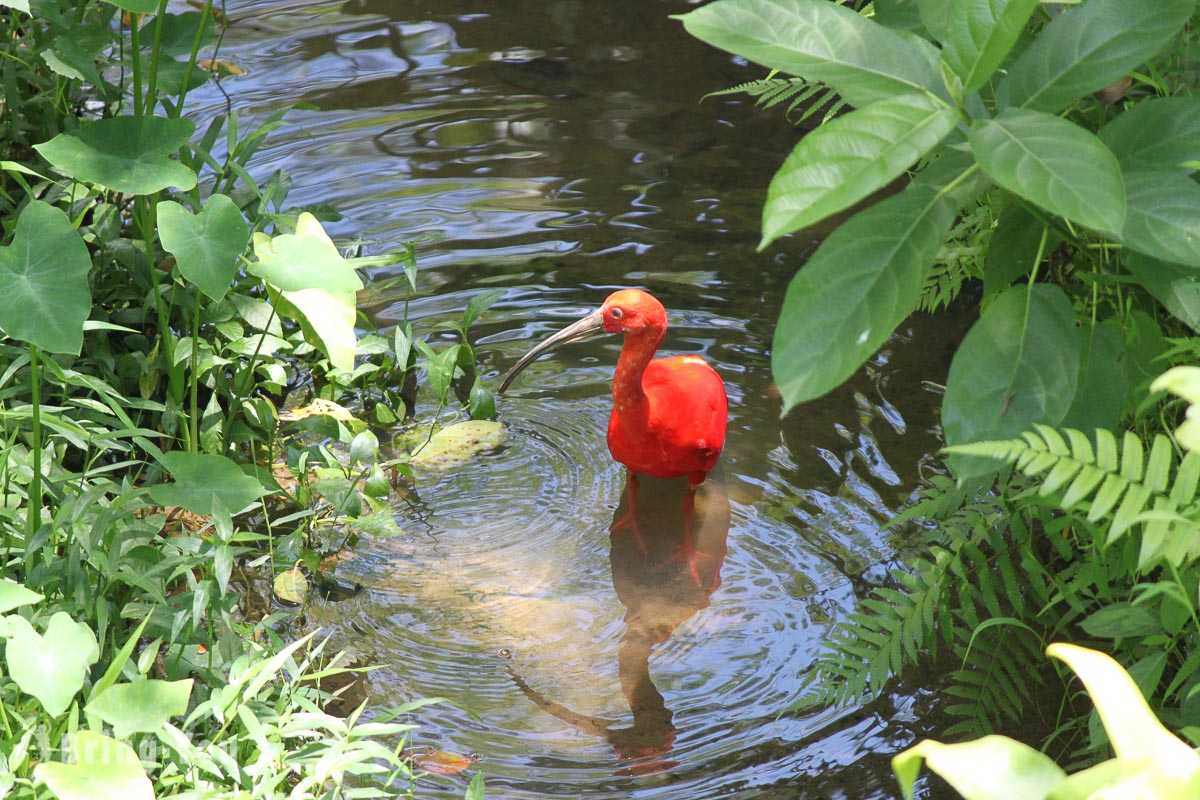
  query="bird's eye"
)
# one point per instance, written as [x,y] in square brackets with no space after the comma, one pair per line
[617,313]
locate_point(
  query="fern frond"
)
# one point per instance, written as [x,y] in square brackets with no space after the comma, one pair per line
[1129,490]
[809,97]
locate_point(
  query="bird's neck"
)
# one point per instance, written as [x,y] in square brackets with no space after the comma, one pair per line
[629,398]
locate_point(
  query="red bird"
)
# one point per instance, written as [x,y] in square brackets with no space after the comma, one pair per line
[669,414]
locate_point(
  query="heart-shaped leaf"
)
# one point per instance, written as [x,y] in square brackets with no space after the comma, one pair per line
[52,666]
[104,769]
[206,246]
[1054,163]
[43,280]
[199,477]
[459,443]
[306,259]
[847,159]
[990,768]
[125,154]
[14,595]
[141,707]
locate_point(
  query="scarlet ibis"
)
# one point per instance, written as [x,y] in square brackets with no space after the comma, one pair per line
[669,414]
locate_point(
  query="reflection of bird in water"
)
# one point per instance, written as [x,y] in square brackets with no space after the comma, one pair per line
[659,593]
[669,414]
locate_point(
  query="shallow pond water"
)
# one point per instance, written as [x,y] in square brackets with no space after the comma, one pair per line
[559,150]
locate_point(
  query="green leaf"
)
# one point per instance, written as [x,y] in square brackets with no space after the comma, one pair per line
[51,667]
[1133,730]
[980,33]
[14,595]
[1088,47]
[1018,365]
[1162,133]
[1176,287]
[475,789]
[820,41]
[860,284]
[327,319]
[104,769]
[1118,620]
[935,14]
[306,259]
[458,444]
[479,304]
[1014,248]
[1160,215]
[199,477]
[43,280]
[1054,163]
[291,585]
[901,14]
[991,768]
[125,154]
[207,245]
[141,707]
[135,6]
[1100,396]
[847,159]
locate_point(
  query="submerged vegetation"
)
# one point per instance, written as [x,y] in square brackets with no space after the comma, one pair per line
[1046,157]
[164,315]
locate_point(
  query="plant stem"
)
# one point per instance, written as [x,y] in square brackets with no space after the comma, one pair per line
[33,515]
[194,381]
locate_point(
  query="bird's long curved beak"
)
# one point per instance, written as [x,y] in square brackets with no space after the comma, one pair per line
[590,325]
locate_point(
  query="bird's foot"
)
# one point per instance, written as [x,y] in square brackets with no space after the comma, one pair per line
[690,556]
[629,523]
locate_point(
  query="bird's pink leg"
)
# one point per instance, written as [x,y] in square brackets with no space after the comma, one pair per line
[688,552]
[629,521]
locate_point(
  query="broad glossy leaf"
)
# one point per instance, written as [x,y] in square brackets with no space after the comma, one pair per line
[43,280]
[199,477]
[1176,287]
[991,768]
[1053,163]
[207,245]
[900,14]
[1161,215]
[936,16]
[126,154]
[50,666]
[1013,248]
[820,41]
[1144,347]
[847,159]
[1018,365]
[306,259]
[1162,133]
[1119,620]
[141,707]
[135,6]
[1133,730]
[103,769]
[859,285]
[14,595]
[952,171]
[458,444]
[327,318]
[1088,47]
[980,33]
[1102,383]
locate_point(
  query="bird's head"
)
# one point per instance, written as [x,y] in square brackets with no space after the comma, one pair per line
[632,311]
[628,311]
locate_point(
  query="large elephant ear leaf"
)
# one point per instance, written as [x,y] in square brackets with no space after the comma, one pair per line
[43,280]
[131,155]
[1017,366]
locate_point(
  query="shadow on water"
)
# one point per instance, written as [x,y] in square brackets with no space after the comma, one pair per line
[557,149]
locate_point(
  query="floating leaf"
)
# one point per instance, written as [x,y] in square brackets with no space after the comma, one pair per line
[126,154]
[291,585]
[438,762]
[318,407]
[104,769]
[1054,163]
[51,666]
[43,280]
[458,444]
[207,245]
[200,477]
[141,707]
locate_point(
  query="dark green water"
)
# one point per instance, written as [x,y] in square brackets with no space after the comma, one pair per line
[559,150]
